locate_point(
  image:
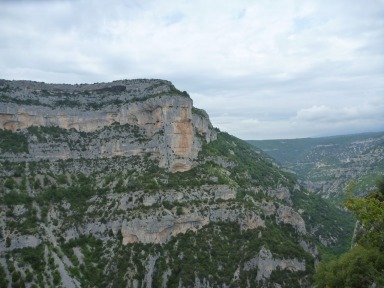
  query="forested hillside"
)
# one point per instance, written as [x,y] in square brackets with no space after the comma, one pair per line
[326,165]
[142,191]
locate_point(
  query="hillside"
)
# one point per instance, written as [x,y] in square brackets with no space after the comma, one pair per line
[126,184]
[326,165]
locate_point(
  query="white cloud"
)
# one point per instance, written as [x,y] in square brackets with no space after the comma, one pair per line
[323,113]
[260,68]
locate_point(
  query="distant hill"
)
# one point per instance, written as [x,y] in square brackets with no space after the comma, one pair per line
[326,165]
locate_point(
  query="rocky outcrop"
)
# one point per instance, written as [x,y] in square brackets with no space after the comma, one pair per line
[168,128]
[289,216]
[150,270]
[159,230]
[80,189]
[265,264]
[155,229]
[286,215]
[20,242]
[202,193]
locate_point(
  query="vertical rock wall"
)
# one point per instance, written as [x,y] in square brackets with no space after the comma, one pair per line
[173,133]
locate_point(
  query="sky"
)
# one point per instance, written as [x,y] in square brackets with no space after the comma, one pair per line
[261,69]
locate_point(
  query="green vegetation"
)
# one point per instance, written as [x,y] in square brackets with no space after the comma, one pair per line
[3,278]
[326,220]
[31,260]
[250,167]
[79,141]
[42,133]
[91,272]
[67,102]
[77,194]
[15,197]
[289,151]
[85,201]
[360,267]
[9,99]
[363,265]
[326,165]
[71,99]
[369,211]
[14,142]
[199,112]
[214,252]
[32,256]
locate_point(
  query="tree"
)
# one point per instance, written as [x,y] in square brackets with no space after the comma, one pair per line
[363,265]
[369,212]
[360,267]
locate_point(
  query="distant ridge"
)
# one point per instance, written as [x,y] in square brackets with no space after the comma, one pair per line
[326,165]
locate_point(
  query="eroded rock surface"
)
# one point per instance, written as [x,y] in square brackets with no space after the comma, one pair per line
[168,128]
[265,264]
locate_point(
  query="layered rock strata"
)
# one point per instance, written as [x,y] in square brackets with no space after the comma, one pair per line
[171,131]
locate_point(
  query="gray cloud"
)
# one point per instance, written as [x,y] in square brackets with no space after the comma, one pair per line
[261,69]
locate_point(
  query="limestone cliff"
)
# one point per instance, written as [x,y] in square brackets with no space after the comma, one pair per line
[85,200]
[172,133]
[266,264]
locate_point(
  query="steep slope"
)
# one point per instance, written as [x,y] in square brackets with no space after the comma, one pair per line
[326,165]
[80,208]
[157,114]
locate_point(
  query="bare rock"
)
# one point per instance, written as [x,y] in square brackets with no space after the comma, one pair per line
[265,264]
[170,130]
[287,215]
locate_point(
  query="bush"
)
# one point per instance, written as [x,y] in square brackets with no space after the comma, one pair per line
[56,277]
[361,267]
[13,142]
[10,183]
[14,198]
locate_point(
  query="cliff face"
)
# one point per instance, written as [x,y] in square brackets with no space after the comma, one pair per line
[171,132]
[85,201]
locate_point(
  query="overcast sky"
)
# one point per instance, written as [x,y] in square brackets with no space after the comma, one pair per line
[261,69]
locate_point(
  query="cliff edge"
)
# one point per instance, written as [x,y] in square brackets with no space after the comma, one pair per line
[161,118]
